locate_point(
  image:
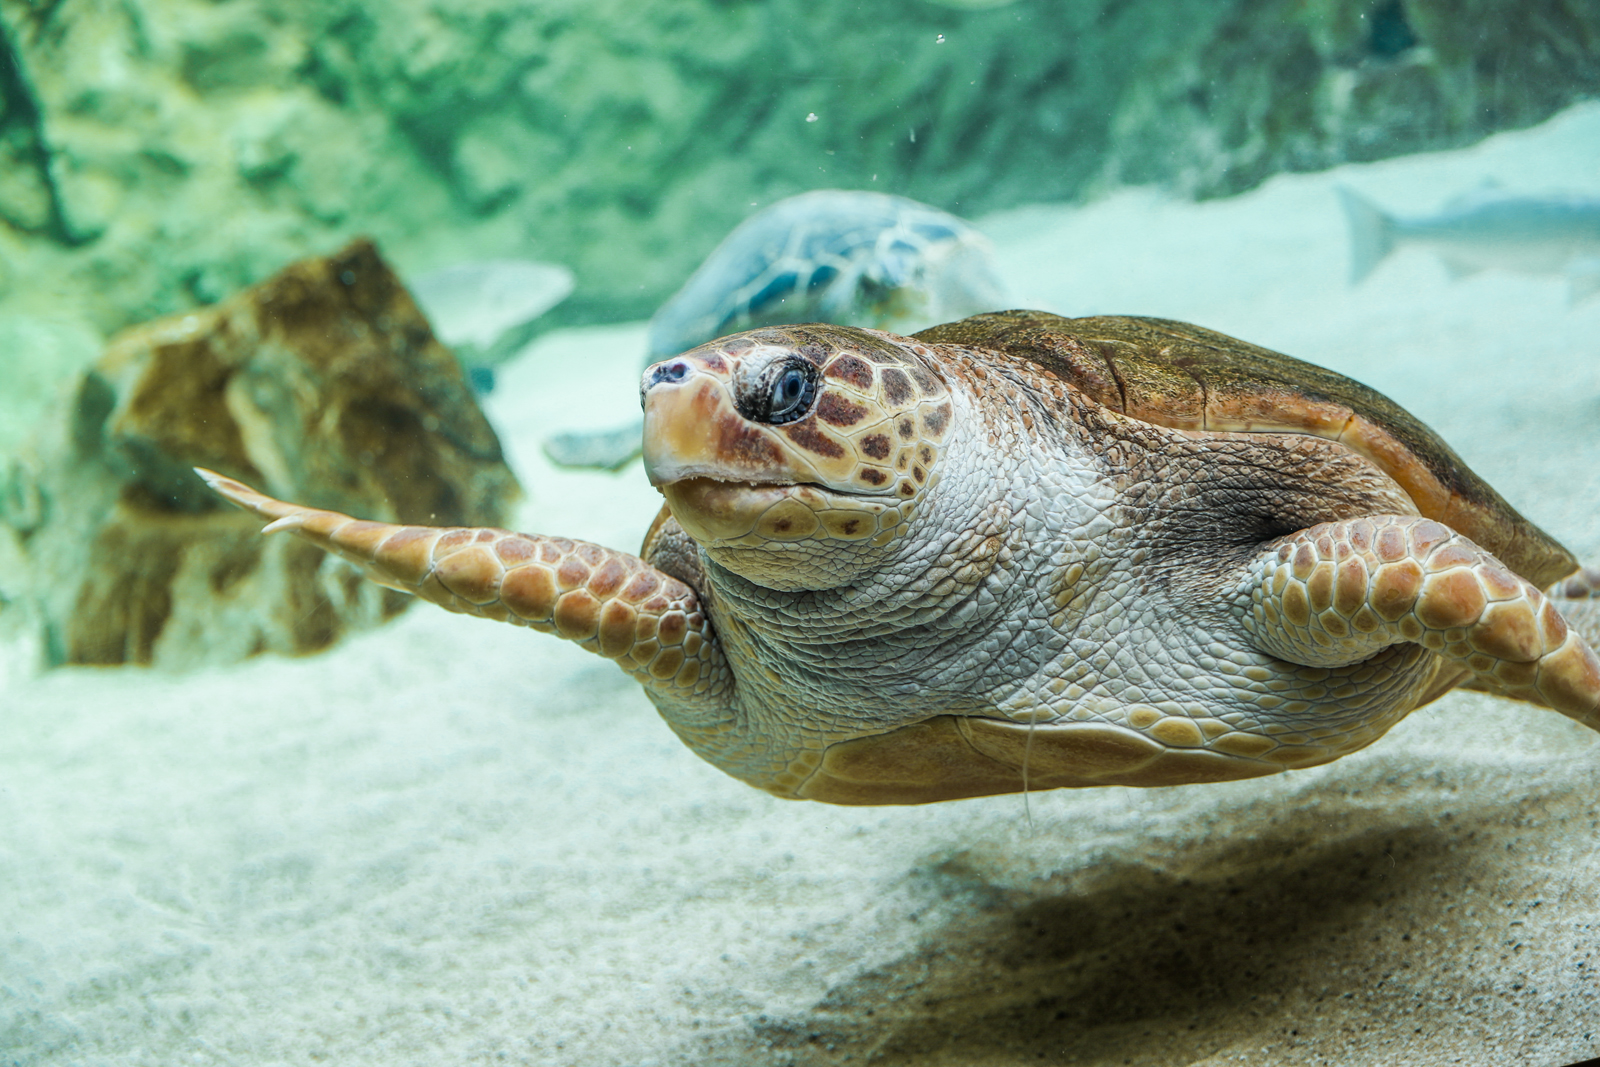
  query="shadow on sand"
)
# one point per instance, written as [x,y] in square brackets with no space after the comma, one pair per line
[1331,931]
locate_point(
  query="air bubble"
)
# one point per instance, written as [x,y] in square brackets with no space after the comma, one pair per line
[811,116]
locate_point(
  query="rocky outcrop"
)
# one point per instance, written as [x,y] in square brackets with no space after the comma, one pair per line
[324,382]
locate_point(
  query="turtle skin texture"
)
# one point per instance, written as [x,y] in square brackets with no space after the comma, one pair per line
[1027,552]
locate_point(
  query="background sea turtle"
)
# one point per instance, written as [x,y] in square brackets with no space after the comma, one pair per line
[831,255]
[1022,551]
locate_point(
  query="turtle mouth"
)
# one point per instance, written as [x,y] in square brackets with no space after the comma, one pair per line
[714,511]
[754,485]
[749,493]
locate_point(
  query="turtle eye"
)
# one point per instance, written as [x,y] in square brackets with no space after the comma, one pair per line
[783,393]
[791,394]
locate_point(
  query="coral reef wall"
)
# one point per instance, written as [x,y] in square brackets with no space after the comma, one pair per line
[158,154]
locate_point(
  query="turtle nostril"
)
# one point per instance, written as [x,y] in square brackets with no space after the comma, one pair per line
[672,371]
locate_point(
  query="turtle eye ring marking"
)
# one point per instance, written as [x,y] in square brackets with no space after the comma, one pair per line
[784,391]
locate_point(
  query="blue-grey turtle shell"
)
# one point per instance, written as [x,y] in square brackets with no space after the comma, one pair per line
[846,257]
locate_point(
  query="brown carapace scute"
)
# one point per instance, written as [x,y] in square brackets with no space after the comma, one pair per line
[1022,551]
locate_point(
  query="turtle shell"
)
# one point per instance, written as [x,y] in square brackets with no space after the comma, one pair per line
[832,255]
[1188,378]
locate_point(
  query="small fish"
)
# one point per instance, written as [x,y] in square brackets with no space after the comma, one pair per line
[475,303]
[1529,235]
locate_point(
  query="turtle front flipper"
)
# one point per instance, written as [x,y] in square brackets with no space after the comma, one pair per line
[1578,598]
[1338,593]
[609,602]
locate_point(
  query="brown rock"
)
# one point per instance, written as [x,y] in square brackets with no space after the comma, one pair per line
[323,383]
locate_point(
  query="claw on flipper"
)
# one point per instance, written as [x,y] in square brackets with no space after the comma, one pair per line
[246,497]
[357,540]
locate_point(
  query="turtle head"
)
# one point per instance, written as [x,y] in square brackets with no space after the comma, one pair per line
[792,453]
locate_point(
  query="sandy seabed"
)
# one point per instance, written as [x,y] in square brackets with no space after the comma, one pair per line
[451,842]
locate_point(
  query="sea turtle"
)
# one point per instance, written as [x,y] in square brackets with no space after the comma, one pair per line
[1023,552]
[843,256]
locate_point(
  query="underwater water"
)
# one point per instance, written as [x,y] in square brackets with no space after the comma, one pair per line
[446,841]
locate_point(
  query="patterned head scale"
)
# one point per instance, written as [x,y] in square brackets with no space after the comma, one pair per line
[795,434]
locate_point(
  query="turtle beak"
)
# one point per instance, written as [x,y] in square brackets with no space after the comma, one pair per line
[683,408]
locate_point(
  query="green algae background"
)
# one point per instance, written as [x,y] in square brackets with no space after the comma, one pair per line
[157,155]
[161,153]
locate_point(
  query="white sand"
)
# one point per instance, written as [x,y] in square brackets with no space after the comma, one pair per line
[451,842]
